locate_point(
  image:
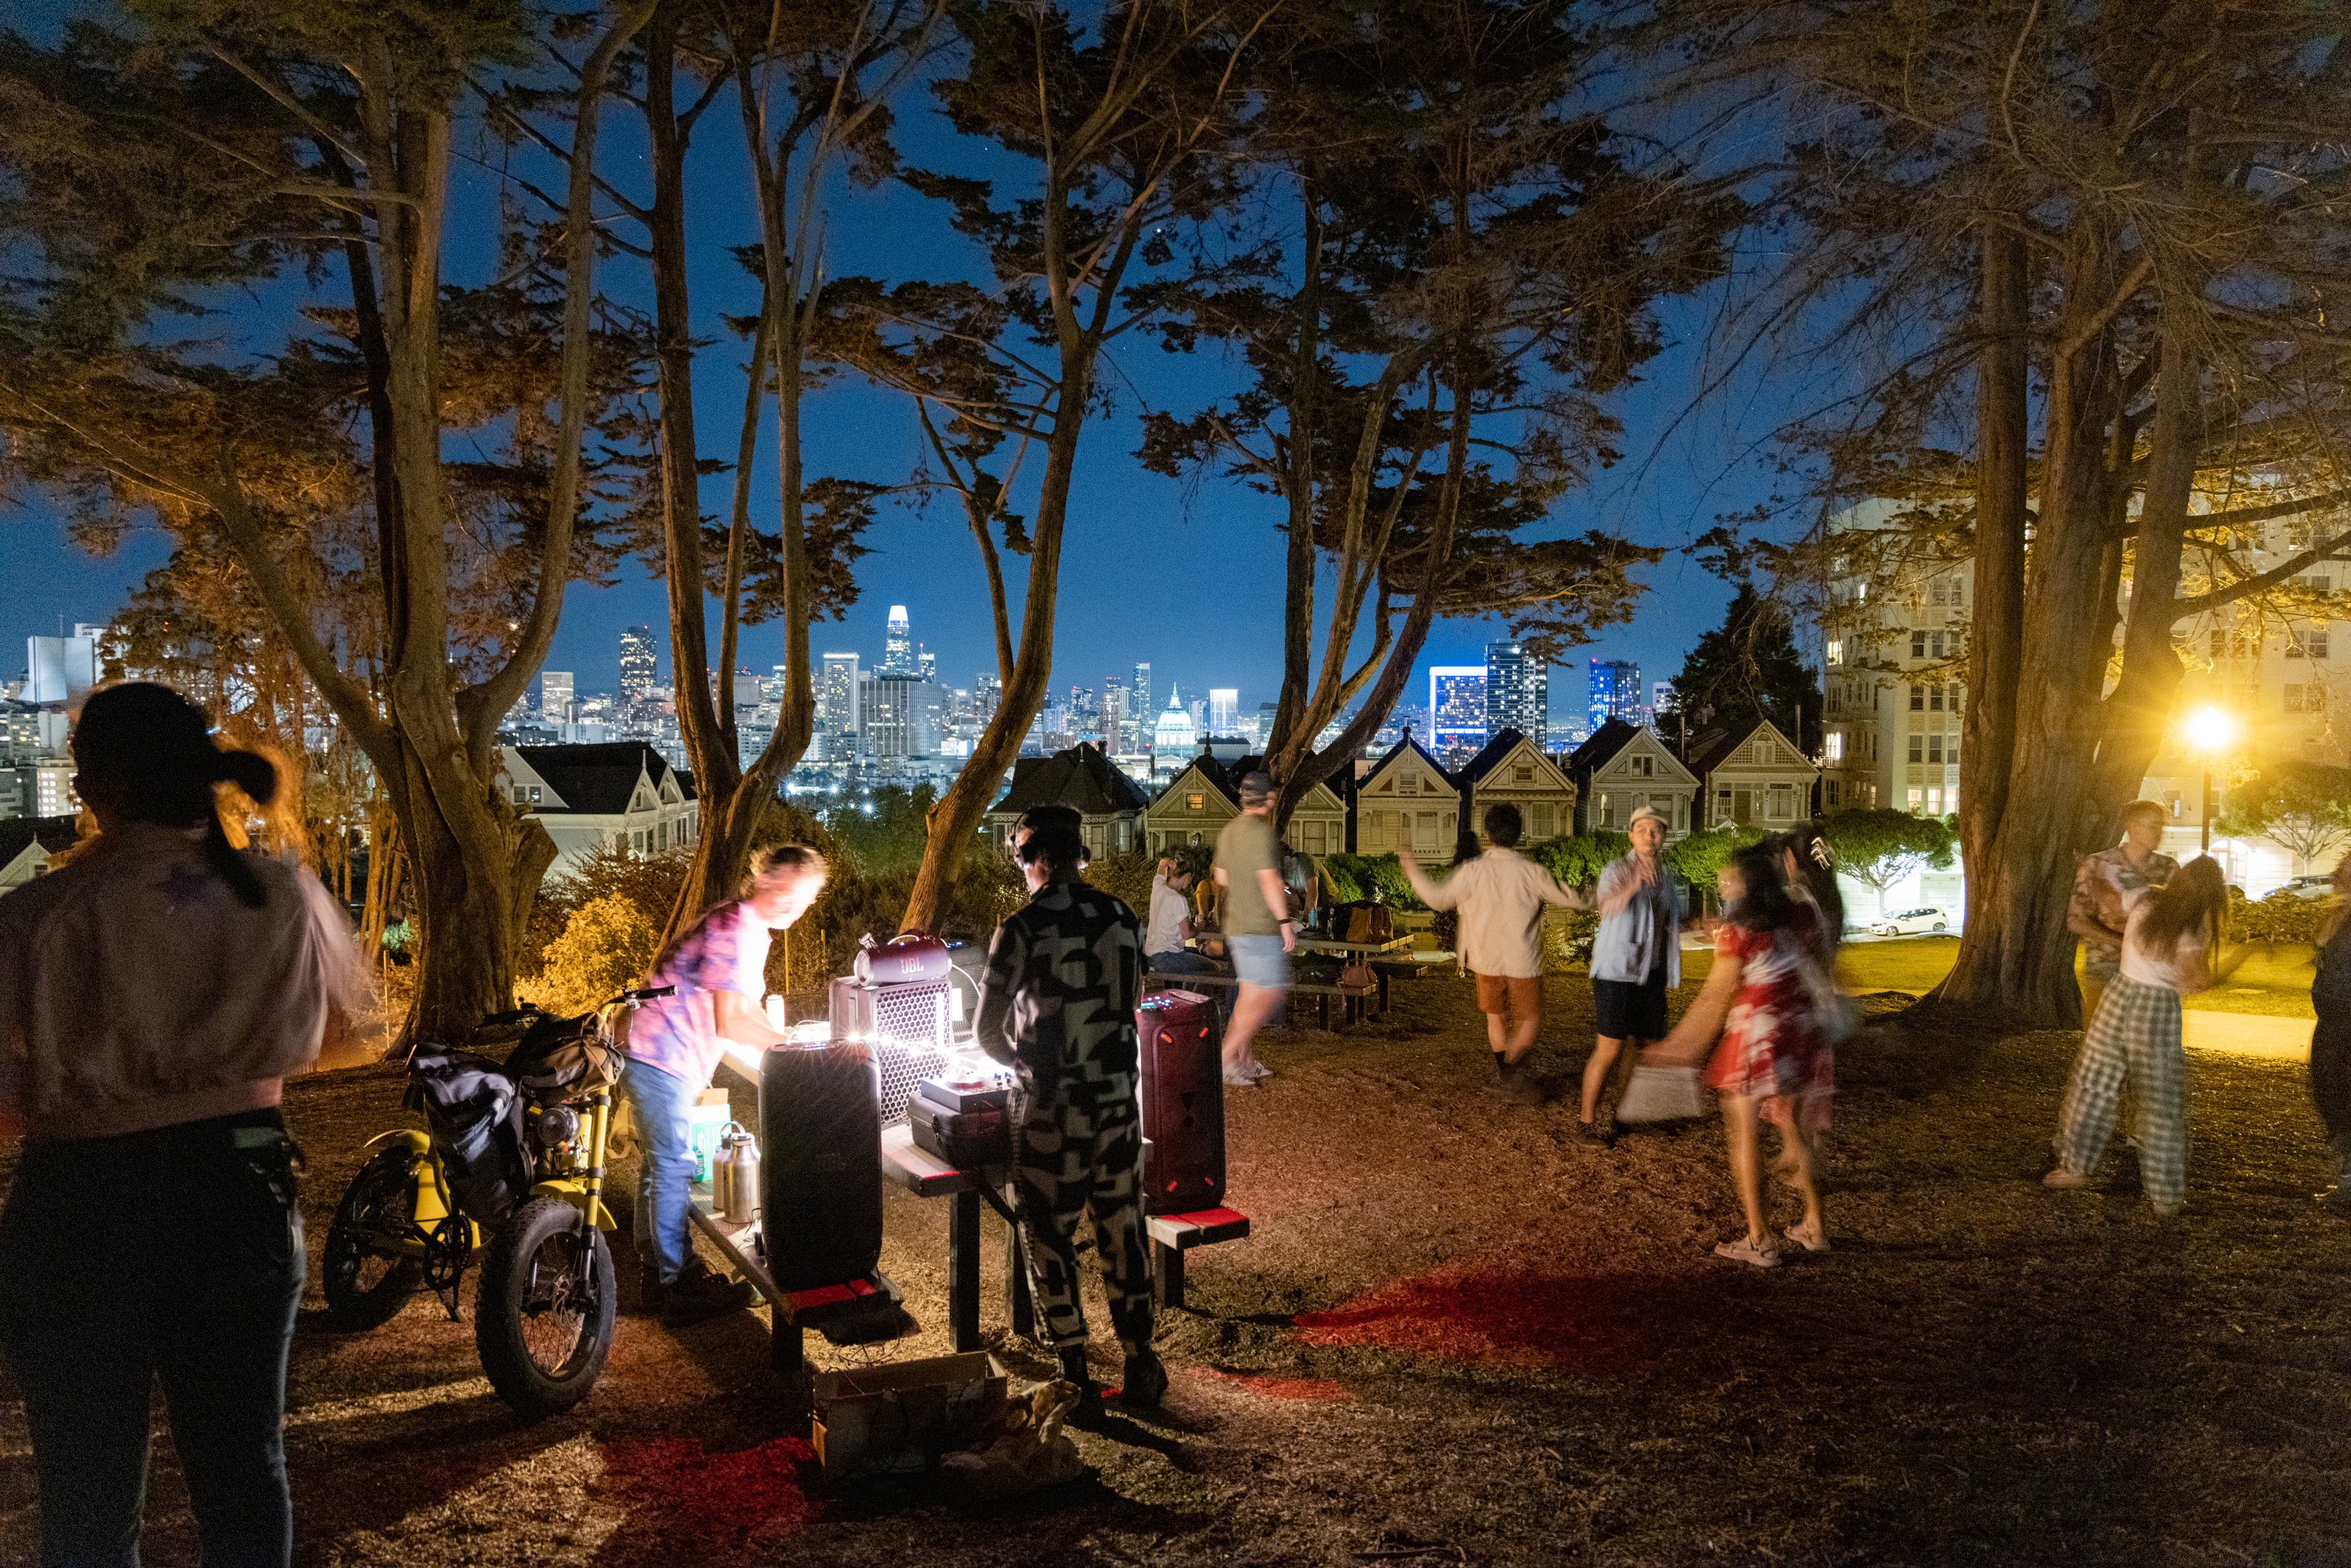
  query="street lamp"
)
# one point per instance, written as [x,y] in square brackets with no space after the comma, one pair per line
[2208,731]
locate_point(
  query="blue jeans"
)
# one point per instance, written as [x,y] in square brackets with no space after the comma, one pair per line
[1182,961]
[175,1253]
[665,1165]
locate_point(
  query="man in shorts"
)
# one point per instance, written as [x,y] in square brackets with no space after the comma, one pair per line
[1501,895]
[1636,959]
[1258,926]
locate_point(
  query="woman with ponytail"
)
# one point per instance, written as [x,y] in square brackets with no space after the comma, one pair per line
[155,993]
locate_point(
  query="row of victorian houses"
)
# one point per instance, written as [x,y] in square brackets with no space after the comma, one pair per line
[1750,773]
[622,795]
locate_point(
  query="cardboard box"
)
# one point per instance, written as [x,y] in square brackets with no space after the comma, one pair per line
[704,1123]
[901,1416]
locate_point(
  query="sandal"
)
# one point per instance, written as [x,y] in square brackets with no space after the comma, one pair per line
[1810,1241]
[1747,1250]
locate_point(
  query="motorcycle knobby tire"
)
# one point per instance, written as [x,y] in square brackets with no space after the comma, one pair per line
[383,1193]
[543,1332]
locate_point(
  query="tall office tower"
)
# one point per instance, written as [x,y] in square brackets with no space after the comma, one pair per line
[987,696]
[555,698]
[927,663]
[640,665]
[1518,692]
[1259,730]
[1223,710]
[1614,691]
[1457,708]
[1143,711]
[1115,716]
[772,687]
[898,644]
[836,698]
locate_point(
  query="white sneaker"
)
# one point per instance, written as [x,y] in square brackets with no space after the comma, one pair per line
[1235,1077]
[1258,1070]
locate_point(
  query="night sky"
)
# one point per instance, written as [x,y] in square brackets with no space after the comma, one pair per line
[1186,576]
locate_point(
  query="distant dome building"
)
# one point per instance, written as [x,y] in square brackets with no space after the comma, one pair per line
[1173,733]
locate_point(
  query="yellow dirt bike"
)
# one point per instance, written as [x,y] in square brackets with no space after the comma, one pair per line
[514,1162]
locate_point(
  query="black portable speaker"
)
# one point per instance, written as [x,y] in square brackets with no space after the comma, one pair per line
[1183,1091]
[821,1170]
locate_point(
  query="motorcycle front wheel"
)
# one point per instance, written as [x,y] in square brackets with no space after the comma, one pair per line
[365,1286]
[544,1312]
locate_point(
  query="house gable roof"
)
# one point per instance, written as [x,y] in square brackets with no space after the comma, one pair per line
[18,835]
[1610,740]
[1718,747]
[1499,751]
[1369,782]
[1081,777]
[1210,773]
[600,780]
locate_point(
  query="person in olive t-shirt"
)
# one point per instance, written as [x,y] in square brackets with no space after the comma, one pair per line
[1256,924]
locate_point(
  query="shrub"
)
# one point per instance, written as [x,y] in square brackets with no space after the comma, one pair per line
[2280,917]
[1577,859]
[1355,877]
[607,944]
[1577,933]
[1127,878]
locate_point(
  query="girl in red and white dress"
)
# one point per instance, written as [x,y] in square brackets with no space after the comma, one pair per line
[1773,1062]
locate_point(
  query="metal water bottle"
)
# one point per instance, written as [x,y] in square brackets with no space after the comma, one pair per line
[734,1173]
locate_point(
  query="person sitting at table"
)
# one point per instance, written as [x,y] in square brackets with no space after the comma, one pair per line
[1164,951]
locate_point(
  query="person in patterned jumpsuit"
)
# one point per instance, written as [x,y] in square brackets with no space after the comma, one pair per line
[1057,1004]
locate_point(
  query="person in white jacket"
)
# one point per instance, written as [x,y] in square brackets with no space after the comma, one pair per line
[1501,896]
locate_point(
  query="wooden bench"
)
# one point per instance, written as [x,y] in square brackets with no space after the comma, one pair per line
[1354,999]
[1173,1235]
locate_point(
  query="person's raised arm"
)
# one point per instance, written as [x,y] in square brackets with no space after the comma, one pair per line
[1620,884]
[1435,894]
[1553,891]
[744,1032]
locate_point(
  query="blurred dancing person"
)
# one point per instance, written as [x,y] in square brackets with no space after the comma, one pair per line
[1501,895]
[1057,1004]
[1256,924]
[1636,959]
[2105,883]
[1772,1062]
[2170,935]
[154,996]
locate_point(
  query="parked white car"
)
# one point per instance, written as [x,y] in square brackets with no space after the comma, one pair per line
[1911,921]
[2320,885]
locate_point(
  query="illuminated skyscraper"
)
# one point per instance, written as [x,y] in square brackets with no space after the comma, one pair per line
[1614,691]
[1141,687]
[836,698]
[1518,692]
[1457,708]
[555,696]
[640,665]
[898,645]
[1223,710]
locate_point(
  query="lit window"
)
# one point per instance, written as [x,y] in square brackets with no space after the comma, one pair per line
[1917,797]
[1934,802]
[534,794]
[1835,744]
[1836,650]
[1195,802]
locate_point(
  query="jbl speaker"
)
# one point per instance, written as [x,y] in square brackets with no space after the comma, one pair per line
[1183,1088]
[820,1174]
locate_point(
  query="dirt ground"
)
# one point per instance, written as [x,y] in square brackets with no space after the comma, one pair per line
[1458,1335]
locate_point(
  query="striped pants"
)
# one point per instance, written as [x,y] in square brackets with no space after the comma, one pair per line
[2136,1035]
[1082,1154]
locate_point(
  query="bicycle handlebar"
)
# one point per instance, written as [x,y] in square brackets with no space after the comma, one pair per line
[522,1014]
[634,994]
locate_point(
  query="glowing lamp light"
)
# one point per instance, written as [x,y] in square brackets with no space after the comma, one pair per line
[2209,730]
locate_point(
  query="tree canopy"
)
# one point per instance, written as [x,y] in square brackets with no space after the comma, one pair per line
[1749,667]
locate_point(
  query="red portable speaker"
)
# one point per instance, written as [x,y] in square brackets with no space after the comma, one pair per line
[1183,1088]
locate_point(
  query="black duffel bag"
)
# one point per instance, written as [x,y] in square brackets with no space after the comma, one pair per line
[475,1114]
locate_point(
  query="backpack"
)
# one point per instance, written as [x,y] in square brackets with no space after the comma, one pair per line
[562,1058]
[475,1114]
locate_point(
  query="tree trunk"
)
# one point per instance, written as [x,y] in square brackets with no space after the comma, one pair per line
[2016,955]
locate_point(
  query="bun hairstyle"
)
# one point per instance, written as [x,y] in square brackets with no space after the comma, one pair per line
[147,754]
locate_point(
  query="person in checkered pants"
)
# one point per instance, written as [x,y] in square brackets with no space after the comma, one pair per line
[2170,938]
